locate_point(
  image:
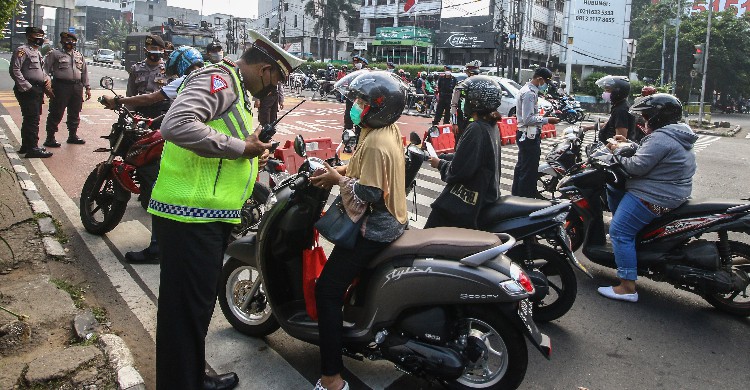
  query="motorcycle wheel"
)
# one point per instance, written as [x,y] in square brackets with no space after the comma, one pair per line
[100,208]
[251,316]
[503,359]
[251,213]
[736,302]
[571,117]
[581,115]
[549,187]
[561,279]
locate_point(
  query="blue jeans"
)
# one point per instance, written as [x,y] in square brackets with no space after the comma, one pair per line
[629,218]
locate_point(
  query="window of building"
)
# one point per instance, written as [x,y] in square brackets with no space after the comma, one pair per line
[542,3]
[557,34]
[266,24]
[150,6]
[151,18]
[559,5]
[382,2]
[295,21]
[286,7]
[540,30]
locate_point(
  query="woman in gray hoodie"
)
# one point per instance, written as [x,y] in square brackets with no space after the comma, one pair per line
[661,172]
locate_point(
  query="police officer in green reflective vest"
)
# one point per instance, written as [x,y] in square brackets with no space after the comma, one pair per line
[208,168]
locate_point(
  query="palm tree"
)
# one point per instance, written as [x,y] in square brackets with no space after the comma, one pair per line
[112,34]
[328,15]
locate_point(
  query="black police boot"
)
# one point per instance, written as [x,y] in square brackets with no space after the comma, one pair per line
[146,256]
[38,153]
[73,139]
[220,382]
[50,142]
[23,149]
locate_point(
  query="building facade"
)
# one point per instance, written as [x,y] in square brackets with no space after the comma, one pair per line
[89,15]
[143,14]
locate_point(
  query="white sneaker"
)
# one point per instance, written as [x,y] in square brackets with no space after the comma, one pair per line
[319,386]
[610,293]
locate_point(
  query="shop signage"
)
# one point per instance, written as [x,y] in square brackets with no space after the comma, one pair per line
[466,40]
[406,32]
[400,42]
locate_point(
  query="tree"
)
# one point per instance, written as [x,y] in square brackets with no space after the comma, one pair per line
[728,54]
[328,15]
[113,33]
[7,9]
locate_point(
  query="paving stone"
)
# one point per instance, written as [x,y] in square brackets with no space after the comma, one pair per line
[53,247]
[10,373]
[46,226]
[58,364]
[85,324]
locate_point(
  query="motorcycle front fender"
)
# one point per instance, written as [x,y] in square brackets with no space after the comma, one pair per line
[243,249]
[547,170]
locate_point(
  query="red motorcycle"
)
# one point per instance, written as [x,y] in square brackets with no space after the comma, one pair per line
[135,146]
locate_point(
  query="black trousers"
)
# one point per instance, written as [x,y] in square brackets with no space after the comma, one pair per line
[443,109]
[67,96]
[269,109]
[525,174]
[191,261]
[31,109]
[341,268]
[348,124]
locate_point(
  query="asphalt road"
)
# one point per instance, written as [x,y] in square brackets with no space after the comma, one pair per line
[670,339]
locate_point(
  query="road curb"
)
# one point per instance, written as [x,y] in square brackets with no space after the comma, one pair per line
[103,65]
[730,133]
[117,351]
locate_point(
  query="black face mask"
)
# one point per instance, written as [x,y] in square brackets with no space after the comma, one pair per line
[154,56]
[37,41]
[266,90]
[69,45]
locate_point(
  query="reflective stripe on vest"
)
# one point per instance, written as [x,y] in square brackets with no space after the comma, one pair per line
[191,188]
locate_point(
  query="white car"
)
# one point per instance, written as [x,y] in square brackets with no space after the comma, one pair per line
[511,90]
[104,55]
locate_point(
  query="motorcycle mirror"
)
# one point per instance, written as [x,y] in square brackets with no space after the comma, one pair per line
[414,138]
[434,132]
[299,146]
[505,93]
[347,135]
[106,82]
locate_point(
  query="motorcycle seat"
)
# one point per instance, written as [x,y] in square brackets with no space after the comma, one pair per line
[694,206]
[509,206]
[443,242]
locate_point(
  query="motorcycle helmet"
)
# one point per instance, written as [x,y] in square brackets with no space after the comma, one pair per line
[482,94]
[617,86]
[182,59]
[648,90]
[342,84]
[658,110]
[383,93]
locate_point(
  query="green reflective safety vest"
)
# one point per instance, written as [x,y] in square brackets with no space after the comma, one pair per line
[196,189]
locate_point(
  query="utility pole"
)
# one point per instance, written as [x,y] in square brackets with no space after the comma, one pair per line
[705,60]
[676,43]
[663,52]
[278,16]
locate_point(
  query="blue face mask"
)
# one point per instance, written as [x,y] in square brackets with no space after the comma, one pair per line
[356,114]
[543,88]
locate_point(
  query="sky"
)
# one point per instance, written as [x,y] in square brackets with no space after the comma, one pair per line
[239,8]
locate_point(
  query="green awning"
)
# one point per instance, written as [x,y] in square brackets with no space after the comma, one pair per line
[401,42]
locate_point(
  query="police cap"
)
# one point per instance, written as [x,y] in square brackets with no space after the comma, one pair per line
[154,40]
[214,46]
[34,30]
[286,62]
[67,35]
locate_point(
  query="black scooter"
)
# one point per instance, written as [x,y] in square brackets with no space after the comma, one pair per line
[445,304]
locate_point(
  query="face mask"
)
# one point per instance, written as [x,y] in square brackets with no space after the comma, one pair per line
[154,56]
[543,88]
[216,57]
[37,41]
[606,96]
[358,65]
[355,114]
[266,90]
[69,45]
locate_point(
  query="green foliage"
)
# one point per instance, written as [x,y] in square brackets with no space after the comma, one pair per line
[113,33]
[7,8]
[728,53]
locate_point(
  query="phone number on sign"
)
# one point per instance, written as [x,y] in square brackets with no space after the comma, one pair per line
[595,19]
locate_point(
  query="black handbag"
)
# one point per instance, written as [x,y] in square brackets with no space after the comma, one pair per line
[336,226]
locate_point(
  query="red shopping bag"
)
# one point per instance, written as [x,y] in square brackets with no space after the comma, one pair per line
[313,261]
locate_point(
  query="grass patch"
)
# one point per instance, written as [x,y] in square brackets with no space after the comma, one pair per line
[75,292]
[100,314]
[60,236]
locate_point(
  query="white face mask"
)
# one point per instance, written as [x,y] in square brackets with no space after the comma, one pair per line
[216,57]
[358,65]
[606,96]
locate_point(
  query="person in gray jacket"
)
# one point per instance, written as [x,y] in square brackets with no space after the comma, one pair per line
[661,179]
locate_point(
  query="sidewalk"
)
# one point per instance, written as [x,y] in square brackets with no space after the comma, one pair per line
[50,336]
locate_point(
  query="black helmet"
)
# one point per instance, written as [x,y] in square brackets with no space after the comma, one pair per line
[659,109]
[383,92]
[482,94]
[619,87]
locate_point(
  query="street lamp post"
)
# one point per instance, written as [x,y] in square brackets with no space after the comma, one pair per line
[705,60]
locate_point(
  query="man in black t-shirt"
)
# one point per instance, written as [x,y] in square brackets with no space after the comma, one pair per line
[621,122]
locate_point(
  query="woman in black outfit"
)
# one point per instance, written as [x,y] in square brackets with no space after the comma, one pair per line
[473,171]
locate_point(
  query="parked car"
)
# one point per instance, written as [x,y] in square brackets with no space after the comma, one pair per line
[104,55]
[511,89]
